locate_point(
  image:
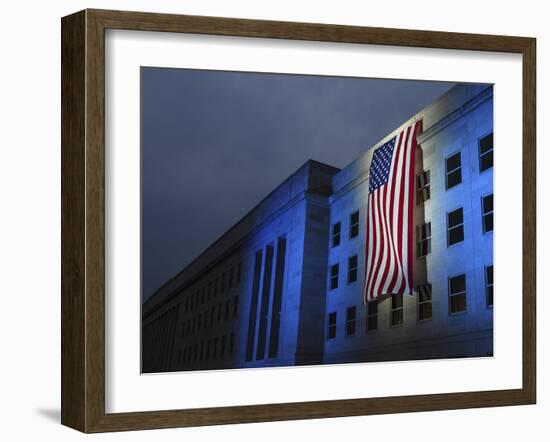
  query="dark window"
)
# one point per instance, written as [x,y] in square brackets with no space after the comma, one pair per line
[372,315]
[334,269]
[351,315]
[252,318]
[487,207]
[199,321]
[396,309]
[486,152]
[489,285]
[239,272]
[203,295]
[230,281]
[227,309]
[354,224]
[201,355]
[209,291]
[423,239]
[457,294]
[222,286]
[453,170]
[352,269]
[424,301]
[336,232]
[277,300]
[215,351]
[208,345]
[264,305]
[222,350]
[455,227]
[423,192]
[216,283]
[235,306]
[331,334]
[231,343]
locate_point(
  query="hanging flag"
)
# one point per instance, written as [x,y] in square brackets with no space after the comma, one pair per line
[389,252]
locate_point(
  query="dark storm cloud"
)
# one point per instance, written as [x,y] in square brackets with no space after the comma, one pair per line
[215,143]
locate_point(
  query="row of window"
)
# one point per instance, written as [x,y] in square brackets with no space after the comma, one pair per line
[335,270]
[353,230]
[208,318]
[211,290]
[455,227]
[457,304]
[209,350]
[453,168]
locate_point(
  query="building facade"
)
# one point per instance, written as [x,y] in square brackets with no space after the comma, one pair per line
[284,286]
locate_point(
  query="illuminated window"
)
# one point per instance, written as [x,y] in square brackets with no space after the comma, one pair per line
[336,232]
[352,269]
[487,208]
[455,227]
[354,224]
[372,315]
[423,239]
[351,315]
[486,152]
[331,334]
[396,309]
[423,187]
[457,294]
[334,269]
[424,301]
[489,285]
[453,170]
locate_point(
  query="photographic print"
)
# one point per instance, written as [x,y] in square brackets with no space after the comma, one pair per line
[302,220]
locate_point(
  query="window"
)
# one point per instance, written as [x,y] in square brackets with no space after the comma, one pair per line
[222,351]
[455,227]
[453,170]
[212,312]
[331,334]
[352,269]
[423,187]
[487,209]
[336,231]
[423,239]
[235,306]
[351,315]
[489,285]
[227,309]
[372,315]
[425,302]
[222,287]
[486,152]
[457,294]
[334,269]
[354,224]
[230,281]
[239,272]
[396,309]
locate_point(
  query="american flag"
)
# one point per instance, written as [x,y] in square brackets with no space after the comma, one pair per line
[389,259]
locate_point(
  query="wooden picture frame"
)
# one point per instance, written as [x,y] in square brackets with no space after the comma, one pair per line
[83,220]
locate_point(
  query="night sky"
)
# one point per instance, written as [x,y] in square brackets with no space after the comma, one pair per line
[215,143]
